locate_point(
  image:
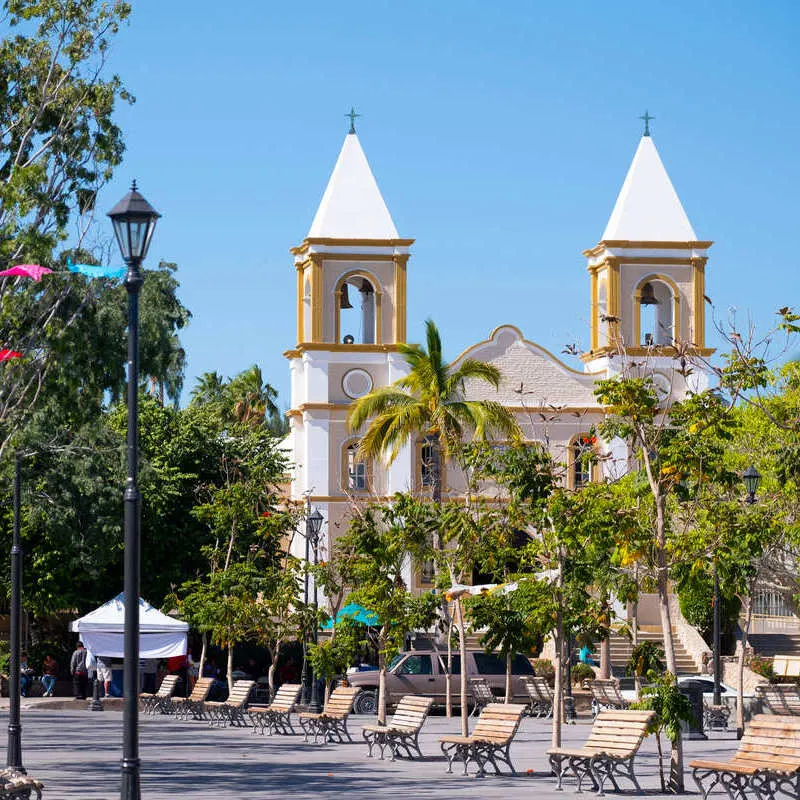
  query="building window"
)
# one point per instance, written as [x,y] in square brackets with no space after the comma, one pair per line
[430,463]
[427,572]
[582,460]
[356,470]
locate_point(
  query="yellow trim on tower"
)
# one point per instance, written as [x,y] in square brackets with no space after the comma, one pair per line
[595,333]
[316,300]
[400,298]
[699,310]
[613,300]
[300,302]
[645,245]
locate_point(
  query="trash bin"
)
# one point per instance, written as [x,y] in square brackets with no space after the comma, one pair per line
[693,692]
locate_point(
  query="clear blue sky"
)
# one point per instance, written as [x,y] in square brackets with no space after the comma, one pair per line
[499,133]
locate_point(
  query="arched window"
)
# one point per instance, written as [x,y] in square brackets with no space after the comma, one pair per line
[357,476]
[582,460]
[357,311]
[430,463]
[657,313]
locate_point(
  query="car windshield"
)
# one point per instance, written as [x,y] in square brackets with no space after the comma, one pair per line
[396,660]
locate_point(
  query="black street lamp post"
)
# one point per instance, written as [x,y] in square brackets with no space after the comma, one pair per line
[751,478]
[134,221]
[313,527]
[14,751]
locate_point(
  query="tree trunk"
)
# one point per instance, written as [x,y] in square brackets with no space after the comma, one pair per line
[637,681]
[448,678]
[662,582]
[462,647]
[509,660]
[203,651]
[558,637]
[660,762]
[605,644]
[381,679]
[230,668]
[676,767]
[740,667]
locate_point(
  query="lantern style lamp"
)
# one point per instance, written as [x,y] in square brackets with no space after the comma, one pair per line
[134,221]
[751,477]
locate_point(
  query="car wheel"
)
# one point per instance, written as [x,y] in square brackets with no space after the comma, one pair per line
[366,702]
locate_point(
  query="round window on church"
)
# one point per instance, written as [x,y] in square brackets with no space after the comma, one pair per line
[357,383]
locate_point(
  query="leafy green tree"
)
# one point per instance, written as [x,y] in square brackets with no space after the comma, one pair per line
[58,141]
[430,402]
[671,709]
[371,557]
[514,621]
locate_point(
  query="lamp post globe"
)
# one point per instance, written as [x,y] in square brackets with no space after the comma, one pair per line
[134,221]
[751,477]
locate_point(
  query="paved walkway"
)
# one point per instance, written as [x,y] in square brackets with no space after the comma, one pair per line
[77,753]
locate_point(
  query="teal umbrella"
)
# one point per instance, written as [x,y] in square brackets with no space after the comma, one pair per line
[355,612]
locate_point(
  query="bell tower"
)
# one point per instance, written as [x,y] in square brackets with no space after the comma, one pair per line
[351,317]
[647,275]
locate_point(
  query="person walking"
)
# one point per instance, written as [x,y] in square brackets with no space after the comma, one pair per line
[103,664]
[79,667]
[49,675]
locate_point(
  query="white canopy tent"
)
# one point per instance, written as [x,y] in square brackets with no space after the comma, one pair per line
[102,631]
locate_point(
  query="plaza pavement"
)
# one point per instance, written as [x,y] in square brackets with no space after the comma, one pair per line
[77,753]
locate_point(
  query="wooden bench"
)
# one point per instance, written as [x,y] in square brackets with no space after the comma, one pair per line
[230,711]
[608,753]
[192,706]
[606,696]
[767,761]
[481,693]
[780,698]
[160,701]
[489,742]
[332,720]
[541,696]
[19,786]
[786,666]
[276,717]
[403,730]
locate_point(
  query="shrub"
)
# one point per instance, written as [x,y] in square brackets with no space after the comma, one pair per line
[543,667]
[763,667]
[582,672]
[645,658]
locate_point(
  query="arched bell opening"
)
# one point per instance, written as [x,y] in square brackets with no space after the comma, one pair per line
[357,310]
[656,313]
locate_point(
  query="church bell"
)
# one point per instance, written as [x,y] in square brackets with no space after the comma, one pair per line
[648,296]
[345,297]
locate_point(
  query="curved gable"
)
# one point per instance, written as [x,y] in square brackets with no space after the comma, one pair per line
[532,376]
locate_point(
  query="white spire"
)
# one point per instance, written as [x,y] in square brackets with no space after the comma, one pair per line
[352,206]
[648,209]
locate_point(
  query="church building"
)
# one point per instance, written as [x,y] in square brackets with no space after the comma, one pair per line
[645,289]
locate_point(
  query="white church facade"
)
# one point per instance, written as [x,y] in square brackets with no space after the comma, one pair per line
[646,292]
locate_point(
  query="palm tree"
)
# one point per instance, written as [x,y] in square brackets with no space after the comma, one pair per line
[430,402]
[210,388]
[253,400]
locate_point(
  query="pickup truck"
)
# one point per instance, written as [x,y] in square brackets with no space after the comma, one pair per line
[423,672]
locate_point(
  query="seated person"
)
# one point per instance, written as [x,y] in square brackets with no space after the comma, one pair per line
[26,674]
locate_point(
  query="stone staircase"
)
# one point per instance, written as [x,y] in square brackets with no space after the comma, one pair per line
[621,648]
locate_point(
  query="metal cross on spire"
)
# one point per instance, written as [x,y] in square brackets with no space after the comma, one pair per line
[646,119]
[352,116]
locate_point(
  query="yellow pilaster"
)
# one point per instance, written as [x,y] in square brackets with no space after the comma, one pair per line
[400,263]
[316,299]
[613,302]
[595,332]
[699,310]
[301,327]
